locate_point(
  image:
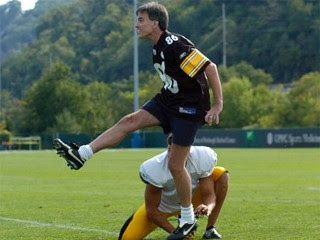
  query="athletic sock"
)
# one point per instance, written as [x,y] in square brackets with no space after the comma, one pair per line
[187,215]
[85,152]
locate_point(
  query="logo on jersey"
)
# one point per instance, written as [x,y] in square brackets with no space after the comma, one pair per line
[182,55]
[145,177]
[162,55]
[169,83]
[191,111]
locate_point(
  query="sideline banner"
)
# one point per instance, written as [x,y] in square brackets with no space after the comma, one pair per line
[233,138]
[284,137]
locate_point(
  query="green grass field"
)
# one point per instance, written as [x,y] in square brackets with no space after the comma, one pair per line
[273,194]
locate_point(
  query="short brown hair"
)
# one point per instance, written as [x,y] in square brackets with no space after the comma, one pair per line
[156,12]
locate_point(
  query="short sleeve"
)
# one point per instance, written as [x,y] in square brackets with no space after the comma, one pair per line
[151,171]
[194,62]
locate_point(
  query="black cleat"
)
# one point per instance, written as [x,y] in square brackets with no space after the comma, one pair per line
[211,233]
[182,231]
[69,152]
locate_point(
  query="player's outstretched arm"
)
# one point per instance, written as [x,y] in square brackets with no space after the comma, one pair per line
[208,196]
[152,200]
[214,81]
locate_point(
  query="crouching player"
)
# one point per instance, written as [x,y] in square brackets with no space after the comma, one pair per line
[209,188]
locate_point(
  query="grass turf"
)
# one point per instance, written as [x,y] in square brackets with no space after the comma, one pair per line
[273,194]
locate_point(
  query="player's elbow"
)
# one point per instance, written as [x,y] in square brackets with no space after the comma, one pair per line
[211,66]
[151,213]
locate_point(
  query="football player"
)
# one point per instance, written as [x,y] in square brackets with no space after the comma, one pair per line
[209,187]
[181,107]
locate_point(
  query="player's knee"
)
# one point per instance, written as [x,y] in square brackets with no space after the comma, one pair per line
[128,123]
[225,178]
[224,181]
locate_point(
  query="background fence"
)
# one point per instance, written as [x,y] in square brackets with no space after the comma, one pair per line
[233,138]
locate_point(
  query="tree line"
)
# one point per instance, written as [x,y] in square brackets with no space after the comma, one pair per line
[77,75]
[17,28]
[58,103]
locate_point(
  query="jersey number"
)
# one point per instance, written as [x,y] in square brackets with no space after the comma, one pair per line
[171,38]
[169,83]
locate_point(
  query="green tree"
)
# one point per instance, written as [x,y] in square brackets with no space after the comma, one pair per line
[150,85]
[245,70]
[17,28]
[298,108]
[5,135]
[55,93]
[122,92]
[66,122]
[13,112]
[238,97]
[9,12]
[255,76]
[99,115]
[278,116]
[304,99]
[94,38]
[261,104]
[19,72]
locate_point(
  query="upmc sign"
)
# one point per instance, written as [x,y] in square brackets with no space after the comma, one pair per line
[297,138]
[286,137]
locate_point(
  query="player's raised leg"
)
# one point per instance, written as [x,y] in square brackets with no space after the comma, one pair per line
[128,124]
[76,157]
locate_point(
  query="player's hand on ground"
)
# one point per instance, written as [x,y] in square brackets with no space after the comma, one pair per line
[213,114]
[203,210]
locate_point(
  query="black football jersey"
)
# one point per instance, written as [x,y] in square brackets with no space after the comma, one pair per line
[185,92]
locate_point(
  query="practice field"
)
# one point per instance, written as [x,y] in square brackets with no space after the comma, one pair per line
[273,194]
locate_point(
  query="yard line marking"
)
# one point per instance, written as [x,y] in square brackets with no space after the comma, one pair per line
[309,201]
[314,188]
[40,224]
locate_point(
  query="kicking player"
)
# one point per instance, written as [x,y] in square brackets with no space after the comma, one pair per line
[209,186]
[182,106]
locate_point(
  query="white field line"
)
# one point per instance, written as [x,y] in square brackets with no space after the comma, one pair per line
[104,150]
[52,225]
[308,201]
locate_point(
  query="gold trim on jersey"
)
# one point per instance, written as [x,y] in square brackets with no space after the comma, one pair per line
[193,63]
